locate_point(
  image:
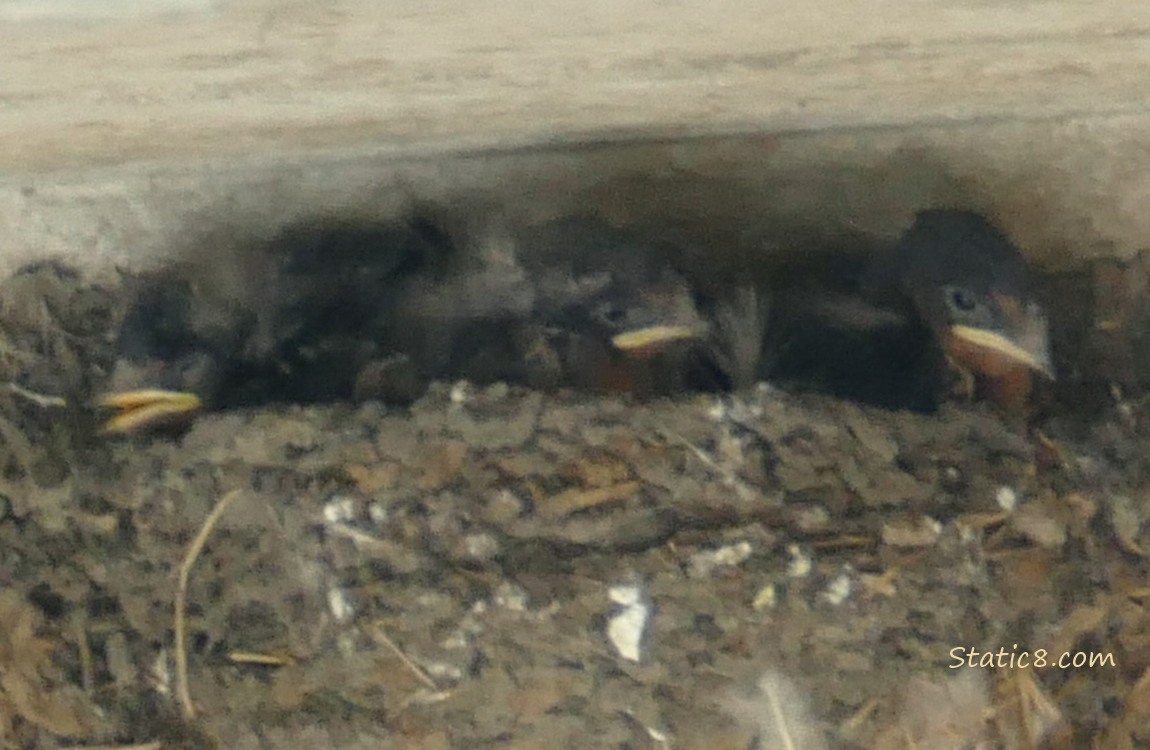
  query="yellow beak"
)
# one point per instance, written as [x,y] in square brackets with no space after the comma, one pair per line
[148,409]
[652,337]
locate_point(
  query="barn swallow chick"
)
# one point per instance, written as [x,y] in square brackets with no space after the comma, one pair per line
[614,313]
[164,371]
[330,311]
[291,318]
[952,294]
[970,286]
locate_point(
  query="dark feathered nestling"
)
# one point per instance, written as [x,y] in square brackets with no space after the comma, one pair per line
[327,311]
[953,293]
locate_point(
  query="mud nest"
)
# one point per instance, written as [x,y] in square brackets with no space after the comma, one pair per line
[499,567]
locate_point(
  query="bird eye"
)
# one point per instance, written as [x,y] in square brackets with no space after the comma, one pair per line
[961,299]
[612,313]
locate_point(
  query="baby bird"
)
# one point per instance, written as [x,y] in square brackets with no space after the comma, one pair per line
[326,311]
[953,294]
[290,318]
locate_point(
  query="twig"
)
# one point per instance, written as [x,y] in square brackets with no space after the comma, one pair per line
[85,649]
[377,634]
[361,539]
[43,400]
[194,549]
[727,476]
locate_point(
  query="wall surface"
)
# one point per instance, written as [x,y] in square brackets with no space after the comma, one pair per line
[122,122]
[197,78]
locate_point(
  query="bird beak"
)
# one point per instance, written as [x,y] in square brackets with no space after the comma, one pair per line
[650,340]
[148,409]
[663,315]
[1019,337]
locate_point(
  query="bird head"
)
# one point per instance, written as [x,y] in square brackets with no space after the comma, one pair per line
[971,286]
[601,282]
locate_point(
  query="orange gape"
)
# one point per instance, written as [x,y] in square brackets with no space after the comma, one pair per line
[601,369]
[619,376]
[1004,382]
[598,367]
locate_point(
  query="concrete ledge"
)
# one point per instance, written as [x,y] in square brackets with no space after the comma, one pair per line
[191,78]
[1068,190]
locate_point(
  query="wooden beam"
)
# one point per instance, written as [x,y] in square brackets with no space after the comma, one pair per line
[85,84]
